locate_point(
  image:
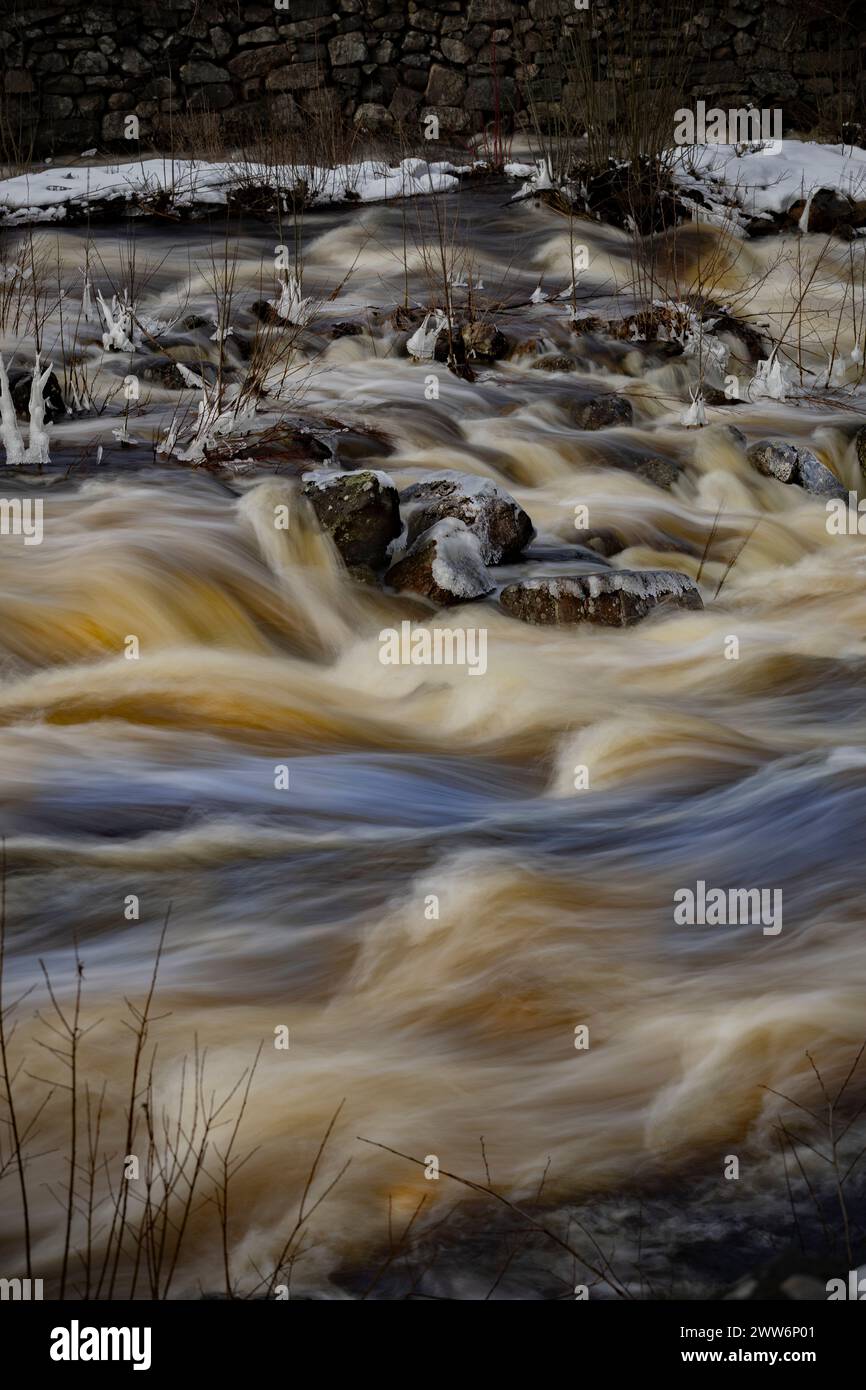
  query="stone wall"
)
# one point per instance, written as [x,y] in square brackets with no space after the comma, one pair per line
[73,71]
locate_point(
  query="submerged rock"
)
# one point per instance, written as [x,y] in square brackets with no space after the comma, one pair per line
[737,435]
[555,362]
[789,464]
[360,511]
[444,564]
[615,598]
[498,522]
[658,470]
[603,540]
[602,411]
[345,330]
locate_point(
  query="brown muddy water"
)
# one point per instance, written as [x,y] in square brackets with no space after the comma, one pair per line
[308,907]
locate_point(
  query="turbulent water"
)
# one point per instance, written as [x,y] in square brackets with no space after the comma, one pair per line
[308,907]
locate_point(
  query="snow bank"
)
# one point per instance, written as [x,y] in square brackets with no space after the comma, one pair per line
[52,194]
[765,183]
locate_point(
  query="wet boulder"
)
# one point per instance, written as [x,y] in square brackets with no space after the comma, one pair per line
[19,386]
[500,525]
[817,478]
[601,412]
[444,564]
[449,345]
[658,471]
[613,598]
[483,342]
[774,460]
[360,511]
[789,464]
[470,342]
[266,313]
[345,329]
[404,318]
[584,323]
[829,211]
[555,362]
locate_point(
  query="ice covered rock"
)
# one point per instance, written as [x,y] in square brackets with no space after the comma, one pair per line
[500,525]
[600,412]
[444,564]
[359,510]
[613,598]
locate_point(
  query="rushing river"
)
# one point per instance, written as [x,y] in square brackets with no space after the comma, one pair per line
[307,907]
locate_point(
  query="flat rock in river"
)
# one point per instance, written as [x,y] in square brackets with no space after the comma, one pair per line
[615,598]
